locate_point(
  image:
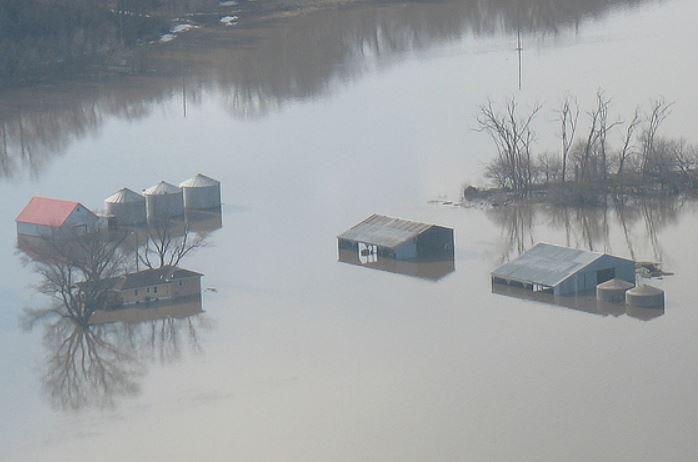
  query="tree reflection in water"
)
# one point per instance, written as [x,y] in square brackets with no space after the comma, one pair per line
[638,221]
[256,70]
[96,353]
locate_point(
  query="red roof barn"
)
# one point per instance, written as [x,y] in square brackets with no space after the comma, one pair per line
[42,216]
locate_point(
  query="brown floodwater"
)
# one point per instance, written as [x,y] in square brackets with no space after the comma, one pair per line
[312,123]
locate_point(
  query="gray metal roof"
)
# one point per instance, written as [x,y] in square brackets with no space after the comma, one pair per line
[384,231]
[199,181]
[123,196]
[547,264]
[162,188]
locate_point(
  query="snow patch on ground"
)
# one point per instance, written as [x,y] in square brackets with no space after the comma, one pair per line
[229,20]
[178,29]
[183,28]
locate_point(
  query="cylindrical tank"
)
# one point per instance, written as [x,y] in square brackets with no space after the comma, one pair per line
[201,192]
[644,296]
[163,201]
[613,291]
[127,207]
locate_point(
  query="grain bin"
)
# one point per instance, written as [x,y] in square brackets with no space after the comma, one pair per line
[201,192]
[127,207]
[644,296]
[613,291]
[163,201]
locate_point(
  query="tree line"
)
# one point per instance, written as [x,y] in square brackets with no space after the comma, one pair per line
[588,162]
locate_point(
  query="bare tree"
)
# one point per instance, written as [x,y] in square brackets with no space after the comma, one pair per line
[167,243]
[513,136]
[76,270]
[568,117]
[659,111]
[627,148]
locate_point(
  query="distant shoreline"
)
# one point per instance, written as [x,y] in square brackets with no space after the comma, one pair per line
[39,61]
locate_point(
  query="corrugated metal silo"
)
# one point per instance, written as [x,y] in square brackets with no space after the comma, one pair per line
[163,201]
[201,192]
[128,207]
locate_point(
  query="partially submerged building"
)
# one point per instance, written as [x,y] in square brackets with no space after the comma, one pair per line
[163,201]
[43,217]
[380,237]
[563,270]
[201,192]
[126,207]
[151,285]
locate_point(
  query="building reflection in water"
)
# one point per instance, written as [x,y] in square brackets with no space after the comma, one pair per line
[585,302]
[432,270]
[106,321]
[636,221]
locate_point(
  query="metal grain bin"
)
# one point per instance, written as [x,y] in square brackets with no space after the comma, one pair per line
[645,297]
[127,207]
[163,201]
[201,192]
[613,291]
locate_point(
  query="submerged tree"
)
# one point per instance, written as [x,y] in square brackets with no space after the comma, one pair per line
[166,243]
[513,135]
[89,364]
[568,116]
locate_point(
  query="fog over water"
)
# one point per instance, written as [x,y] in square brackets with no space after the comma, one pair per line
[312,123]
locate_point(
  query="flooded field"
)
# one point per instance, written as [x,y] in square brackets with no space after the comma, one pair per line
[292,352]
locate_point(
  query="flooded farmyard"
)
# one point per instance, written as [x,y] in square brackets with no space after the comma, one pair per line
[270,339]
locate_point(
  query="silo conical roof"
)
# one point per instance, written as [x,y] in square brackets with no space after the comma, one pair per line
[123,196]
[161,188]
[199,181]
[616,284]
[645,291]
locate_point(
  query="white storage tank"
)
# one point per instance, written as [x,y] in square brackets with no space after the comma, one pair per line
[644,296]
[613,291]
[201,192]
[163,201]
[127,207]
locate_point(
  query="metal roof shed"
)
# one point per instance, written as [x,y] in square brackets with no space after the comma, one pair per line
[563,270]
[397,238]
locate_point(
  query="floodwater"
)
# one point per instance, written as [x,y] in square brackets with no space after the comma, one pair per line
[311,124]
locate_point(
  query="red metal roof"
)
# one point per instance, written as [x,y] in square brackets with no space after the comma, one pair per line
[47,212]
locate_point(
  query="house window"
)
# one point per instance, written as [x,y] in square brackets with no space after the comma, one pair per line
[179,283]
[147,289]
[155,289]
[135,292]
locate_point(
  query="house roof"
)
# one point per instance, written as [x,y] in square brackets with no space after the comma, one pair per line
[47,212]
[124,195]
[547,264]
[162,188]
[199,181]
[384,231]
[151,277]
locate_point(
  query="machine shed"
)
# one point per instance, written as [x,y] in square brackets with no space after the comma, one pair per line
[397,238]
[563,270]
